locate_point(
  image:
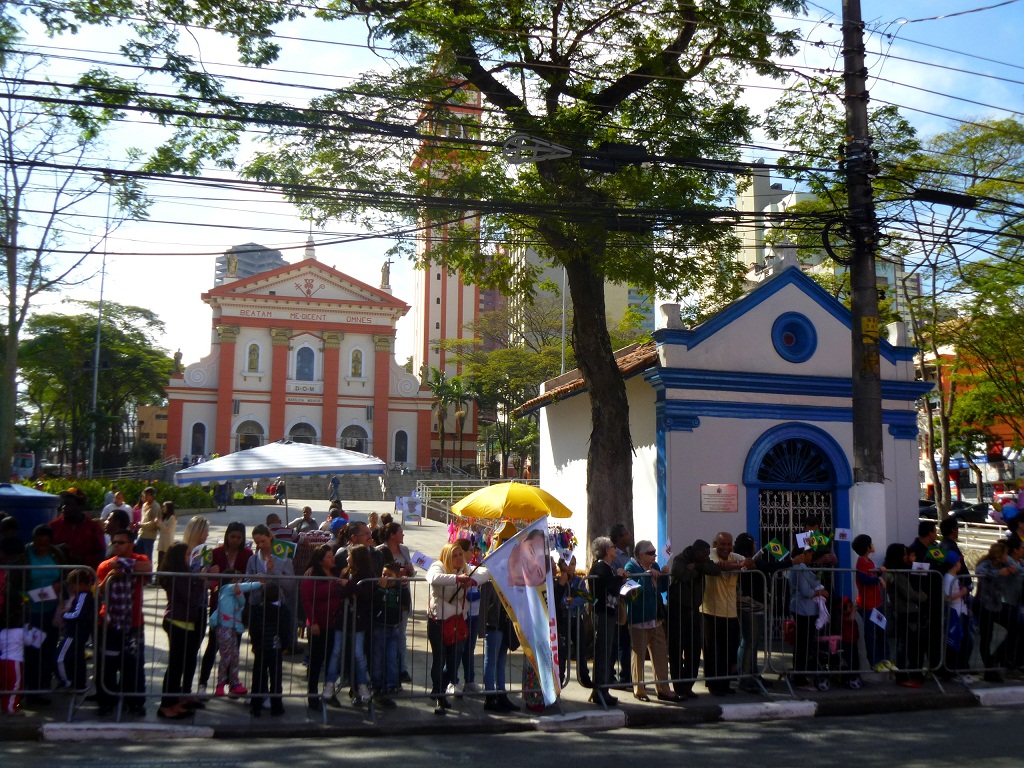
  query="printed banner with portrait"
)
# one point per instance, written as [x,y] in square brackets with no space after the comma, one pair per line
[521,572]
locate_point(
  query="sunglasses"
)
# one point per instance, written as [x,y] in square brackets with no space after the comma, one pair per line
[649,552]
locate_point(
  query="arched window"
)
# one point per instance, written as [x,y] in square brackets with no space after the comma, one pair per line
[353,438]
[305,367]
[356,364]
[252,363]
[198,439]
[302,433]
[401,446]
[249,435]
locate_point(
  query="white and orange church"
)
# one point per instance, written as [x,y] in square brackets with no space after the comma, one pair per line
[302,352]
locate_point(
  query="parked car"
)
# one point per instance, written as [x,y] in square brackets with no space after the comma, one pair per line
[974,513]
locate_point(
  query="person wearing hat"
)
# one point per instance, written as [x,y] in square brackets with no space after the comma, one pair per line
[79,533]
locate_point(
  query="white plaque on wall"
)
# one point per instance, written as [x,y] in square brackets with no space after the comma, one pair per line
[719,497]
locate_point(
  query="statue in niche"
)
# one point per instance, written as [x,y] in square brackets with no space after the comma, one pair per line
[254,358]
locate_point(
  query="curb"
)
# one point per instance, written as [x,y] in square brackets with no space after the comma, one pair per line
[109,731]
[581,721]
[628,716]
[1001,697]
[769,710]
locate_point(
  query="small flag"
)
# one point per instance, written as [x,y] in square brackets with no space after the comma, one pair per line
[207,556]
[282,548]
[777,550]
[935,553]
[818,540]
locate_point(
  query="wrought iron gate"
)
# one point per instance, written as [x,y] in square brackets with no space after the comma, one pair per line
[784,512]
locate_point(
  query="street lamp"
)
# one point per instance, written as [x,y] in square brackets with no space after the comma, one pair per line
[99,323]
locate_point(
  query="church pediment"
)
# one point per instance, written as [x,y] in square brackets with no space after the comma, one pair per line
[308,281]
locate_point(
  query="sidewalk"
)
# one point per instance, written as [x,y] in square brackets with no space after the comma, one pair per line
[227,718]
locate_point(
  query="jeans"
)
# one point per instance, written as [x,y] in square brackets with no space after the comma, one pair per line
[145,547]
[319,647]
[41,662]
[468,652]
[361,669]
[384,658]
[495,656]
[874,639]
[334,661]
[122,655]
[444,659]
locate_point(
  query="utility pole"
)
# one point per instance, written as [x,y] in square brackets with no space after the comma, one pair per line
[868,496]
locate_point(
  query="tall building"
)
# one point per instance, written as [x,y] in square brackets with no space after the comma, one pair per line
[250,259]
[761,198]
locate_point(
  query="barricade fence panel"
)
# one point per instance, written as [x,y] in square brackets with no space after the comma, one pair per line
[323,642]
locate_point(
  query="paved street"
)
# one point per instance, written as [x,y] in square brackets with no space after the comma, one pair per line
[909,740]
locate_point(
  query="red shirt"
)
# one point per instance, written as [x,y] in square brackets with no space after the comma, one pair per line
[869,587]
[84,540]
[103,571]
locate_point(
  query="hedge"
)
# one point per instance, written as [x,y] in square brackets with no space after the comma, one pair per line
[187,497]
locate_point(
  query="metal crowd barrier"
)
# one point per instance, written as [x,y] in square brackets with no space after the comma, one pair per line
[152,655]
[55,656]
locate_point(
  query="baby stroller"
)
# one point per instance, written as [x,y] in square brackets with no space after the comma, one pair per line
[837,655]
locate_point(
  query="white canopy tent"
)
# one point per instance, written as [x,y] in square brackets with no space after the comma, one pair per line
[281,459]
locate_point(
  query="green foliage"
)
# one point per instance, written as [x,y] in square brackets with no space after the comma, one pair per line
[187,497]
[57,365]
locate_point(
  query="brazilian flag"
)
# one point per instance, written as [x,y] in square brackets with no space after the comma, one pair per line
[936,554]
[776,549]
[207,556]
[818,540]
[282,548]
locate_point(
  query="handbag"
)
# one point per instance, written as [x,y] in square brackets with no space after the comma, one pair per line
[454,629]
[622,616]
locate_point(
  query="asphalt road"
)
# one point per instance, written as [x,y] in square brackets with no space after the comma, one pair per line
[989,737]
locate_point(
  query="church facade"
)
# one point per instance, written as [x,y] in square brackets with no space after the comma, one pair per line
[301,352]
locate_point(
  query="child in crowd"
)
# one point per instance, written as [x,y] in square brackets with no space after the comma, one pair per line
[958,642]
[850,633]
[270,631]
[78,618]
[871,584]
[13,640]
[387,619]
[226,622]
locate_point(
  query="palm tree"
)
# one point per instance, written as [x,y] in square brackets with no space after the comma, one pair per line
[440,389]
[462,392]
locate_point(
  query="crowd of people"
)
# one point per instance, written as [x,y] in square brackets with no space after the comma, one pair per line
[339,593]
[919,611]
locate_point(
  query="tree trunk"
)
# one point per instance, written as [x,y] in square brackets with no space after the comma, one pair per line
[610,455]
[8,400]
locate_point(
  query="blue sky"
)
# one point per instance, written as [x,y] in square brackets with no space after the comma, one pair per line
[906,61]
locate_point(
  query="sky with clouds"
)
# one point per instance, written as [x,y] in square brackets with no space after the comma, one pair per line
[937,69]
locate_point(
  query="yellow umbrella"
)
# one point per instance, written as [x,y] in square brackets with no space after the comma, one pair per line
[515,501]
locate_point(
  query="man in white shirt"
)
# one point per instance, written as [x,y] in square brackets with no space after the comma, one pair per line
[117,503]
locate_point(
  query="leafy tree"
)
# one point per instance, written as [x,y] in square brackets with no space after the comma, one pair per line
[584,76]
[56,367]
[42,151]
